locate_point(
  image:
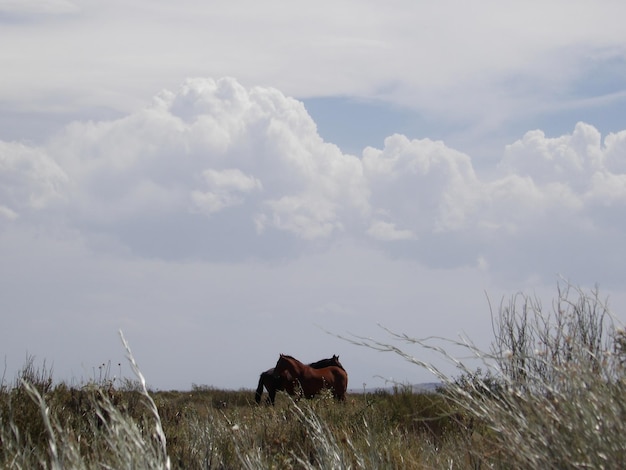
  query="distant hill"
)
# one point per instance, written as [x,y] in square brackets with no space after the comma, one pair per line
[426,387]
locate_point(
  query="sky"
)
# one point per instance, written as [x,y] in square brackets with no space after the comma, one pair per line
[227,181]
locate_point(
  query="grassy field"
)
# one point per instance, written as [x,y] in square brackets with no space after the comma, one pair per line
[99,426]
[552,394]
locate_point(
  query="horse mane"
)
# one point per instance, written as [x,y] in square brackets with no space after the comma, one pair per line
[289,357]
[331,361]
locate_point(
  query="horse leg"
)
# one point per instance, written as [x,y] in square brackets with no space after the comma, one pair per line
[259,389]
[340,390]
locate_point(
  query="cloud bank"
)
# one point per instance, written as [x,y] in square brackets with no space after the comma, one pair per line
[218,171]
[477,68]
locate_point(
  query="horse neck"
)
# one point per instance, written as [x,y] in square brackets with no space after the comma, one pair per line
[294,365]
[322,363]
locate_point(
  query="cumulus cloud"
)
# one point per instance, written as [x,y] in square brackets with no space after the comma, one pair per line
[29,179]
[214,166]
[423,183]
[212,147]
[569,158]
[572,172]
[226,188]
[551,207]
[432,189]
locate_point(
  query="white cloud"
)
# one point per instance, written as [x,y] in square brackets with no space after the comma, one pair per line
[226,188]
[568,158]
[476,65]
[608,189]
[133,212]
[615,144]
[214,166]
[211,146]
[304,216]
[423,183]
[386,231]
[29,179]
[572,172]
[180,205]
[8,213]
[550,198]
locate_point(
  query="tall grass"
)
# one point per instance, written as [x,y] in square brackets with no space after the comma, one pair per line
[95,426]
[43,425]
[562,402]
[553,394]
[550,393]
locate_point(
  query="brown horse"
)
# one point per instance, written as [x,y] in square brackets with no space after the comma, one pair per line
[302,380]
[274,384]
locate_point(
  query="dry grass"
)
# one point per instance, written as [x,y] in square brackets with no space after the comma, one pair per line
[101,427]
[553,396]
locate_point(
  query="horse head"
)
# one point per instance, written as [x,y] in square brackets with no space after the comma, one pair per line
[336,361]
[282,368]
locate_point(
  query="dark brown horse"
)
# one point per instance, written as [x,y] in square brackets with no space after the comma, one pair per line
[302,380]
[272,383]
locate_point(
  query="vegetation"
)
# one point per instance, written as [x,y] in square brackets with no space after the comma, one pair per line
[552,395]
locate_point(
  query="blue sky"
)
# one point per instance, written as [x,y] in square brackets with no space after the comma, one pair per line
[354,124]
[226,183]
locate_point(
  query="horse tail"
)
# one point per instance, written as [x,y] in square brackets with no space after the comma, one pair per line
[259,389]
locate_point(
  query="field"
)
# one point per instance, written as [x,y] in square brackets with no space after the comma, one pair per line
[552,395]
[209,428]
